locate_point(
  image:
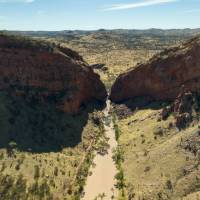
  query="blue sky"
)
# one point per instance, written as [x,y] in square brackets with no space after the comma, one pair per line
[95,14]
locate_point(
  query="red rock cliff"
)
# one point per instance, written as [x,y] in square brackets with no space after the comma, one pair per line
[53,72]
[162,77]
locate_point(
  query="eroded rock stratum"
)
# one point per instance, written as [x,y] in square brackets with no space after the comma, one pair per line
[162,77]
[38,70]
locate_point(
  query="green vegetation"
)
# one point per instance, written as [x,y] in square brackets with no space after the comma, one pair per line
[52,150]
[17,188]
[36,45]
[119,50]
[155,158]
[46,154]
[119,159]
[14,41]
[116,128]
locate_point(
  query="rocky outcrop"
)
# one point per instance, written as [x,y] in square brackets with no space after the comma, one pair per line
[162,77]
[185,108]
[42,71]
[192,144]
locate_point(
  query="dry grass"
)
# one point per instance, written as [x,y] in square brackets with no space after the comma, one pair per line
[155,165]
[57,168]
[116,51]
[154,162]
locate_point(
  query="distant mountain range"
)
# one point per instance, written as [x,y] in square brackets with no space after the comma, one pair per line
[149,32]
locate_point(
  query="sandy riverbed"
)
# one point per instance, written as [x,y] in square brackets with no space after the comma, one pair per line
[102,180]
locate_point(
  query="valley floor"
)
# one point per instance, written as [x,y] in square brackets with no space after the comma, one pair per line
[101,183]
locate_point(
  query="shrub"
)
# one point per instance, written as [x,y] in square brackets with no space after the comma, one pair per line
[169,185]
[56,171]
[36,172]
[158,131]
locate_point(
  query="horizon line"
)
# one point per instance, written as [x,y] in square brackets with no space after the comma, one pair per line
[99,29]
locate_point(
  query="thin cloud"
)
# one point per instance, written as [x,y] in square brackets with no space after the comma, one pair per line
[17,1]
[191,11]
[143,3]
[41,12]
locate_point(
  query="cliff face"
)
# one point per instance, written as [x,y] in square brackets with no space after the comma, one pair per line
[33,69]
[162,77]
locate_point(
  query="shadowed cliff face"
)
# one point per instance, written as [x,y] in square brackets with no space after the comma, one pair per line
[48,72]
[162,77]
[37,127]
[46,95]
